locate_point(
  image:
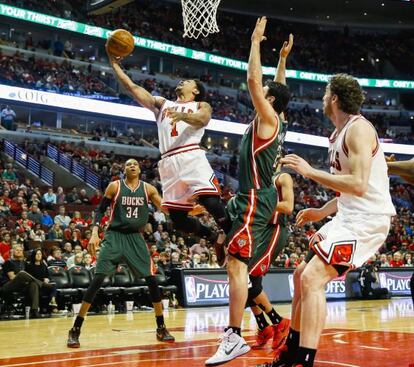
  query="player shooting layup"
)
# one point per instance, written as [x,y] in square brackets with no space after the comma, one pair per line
[185,172]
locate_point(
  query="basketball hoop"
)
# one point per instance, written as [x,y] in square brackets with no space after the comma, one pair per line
[199,17]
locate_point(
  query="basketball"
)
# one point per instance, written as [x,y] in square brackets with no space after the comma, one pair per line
[120,43]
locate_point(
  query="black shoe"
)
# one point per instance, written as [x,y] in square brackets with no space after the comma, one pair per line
[163,335]
[73,338]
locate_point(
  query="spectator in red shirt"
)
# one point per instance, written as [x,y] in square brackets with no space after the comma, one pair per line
[24,224]
[5,246]
[78,220]
[396,261]
[85,241]
[69,232]
[17,205]
[96,199]
[293,261]
[6,197]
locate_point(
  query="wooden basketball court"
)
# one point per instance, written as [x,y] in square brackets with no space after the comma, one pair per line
[357,334]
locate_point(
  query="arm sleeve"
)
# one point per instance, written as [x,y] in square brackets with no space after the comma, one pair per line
[100,209]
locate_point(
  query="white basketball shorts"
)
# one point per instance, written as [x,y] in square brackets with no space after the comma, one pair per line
[185,176]
[350,240]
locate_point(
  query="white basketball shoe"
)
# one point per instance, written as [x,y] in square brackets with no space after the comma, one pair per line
[231,346]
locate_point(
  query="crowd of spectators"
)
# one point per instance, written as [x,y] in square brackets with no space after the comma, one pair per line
[318,48]
[63,77]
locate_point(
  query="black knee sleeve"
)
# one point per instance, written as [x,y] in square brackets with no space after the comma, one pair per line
[153,288]
[254,290]
[93,288]
[216,208]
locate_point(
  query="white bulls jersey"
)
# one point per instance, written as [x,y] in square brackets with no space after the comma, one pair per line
[377,199]
[184,136]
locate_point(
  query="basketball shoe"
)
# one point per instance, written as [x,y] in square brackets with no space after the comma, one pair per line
[73,338]
[280,333]
[231,346]
[163,335]
[262,336]
[278,362]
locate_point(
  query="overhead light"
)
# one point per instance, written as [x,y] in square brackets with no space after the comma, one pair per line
[362,59]
[291,9]
[170,29]
[365,14]
[382,4]
[377,60]
[327,17]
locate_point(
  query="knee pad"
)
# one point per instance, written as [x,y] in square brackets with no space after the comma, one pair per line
[254,290]
[94,288]
[153,288]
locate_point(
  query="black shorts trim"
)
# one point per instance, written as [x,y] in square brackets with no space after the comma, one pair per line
[341,269]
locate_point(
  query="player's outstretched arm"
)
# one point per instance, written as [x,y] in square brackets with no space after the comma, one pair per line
[142,96]
[360,159]
[198,119]
[285,183]
[405,169]
[316,214]
[267,116]
[284,52]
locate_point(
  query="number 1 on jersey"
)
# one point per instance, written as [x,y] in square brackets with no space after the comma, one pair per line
[174,131]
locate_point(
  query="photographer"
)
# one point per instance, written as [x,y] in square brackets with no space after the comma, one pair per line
[369,282]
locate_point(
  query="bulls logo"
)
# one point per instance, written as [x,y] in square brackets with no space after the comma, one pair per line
[343,252]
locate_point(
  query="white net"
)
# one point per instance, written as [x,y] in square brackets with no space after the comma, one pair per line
[200,17]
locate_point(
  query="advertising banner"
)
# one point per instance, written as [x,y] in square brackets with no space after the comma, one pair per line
[204,287]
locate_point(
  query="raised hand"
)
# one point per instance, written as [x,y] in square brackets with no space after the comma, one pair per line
[286,47]
[112,59]
[308,215]
[297,163]
[258,33]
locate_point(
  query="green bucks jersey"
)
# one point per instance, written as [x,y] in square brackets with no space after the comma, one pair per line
[258,157]
[129,208]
